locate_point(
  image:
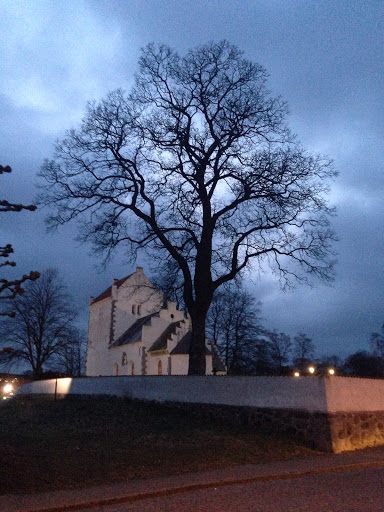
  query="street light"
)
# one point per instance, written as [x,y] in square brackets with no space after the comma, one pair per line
[311,370]
[296,374]
[331,371]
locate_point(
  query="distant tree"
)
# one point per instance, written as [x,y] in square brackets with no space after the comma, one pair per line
[43,326]
[196,165]
[328,362]
[363,364]
[233,324]
[262,363]
[377,342]
[70,359]
[280,346]
[10,288]
[303,350]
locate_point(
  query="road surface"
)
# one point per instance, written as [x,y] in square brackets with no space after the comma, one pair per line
[350,490]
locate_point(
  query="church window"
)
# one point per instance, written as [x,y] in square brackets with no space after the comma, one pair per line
[133,309]
[139,310]
[159,368]
[124,359]
[133,369]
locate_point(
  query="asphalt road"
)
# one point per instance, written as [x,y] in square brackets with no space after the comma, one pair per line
[356,490]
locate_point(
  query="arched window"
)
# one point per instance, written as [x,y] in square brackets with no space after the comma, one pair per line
[133,309]
[139,310]
[133,369]
[159,368]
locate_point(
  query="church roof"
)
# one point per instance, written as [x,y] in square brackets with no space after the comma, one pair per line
[184,344]
[133,333]
[108,292]
[161,342]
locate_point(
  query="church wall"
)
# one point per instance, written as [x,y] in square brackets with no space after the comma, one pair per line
[125,356]
[134,299]
[153,364]
[179,365]
[98,339]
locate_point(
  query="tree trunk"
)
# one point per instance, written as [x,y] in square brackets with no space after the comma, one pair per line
[37,371]
[197,363]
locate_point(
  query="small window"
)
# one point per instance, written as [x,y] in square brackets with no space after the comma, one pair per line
[139,310]
[124,359]
[159,368]
[133,309]
[133,369]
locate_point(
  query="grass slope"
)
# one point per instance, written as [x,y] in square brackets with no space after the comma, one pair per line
[75,442]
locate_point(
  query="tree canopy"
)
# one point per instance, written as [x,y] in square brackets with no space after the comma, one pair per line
[196,165]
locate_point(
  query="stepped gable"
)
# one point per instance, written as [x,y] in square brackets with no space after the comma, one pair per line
[108,292]
[161,342]
[184,345]
[133,333]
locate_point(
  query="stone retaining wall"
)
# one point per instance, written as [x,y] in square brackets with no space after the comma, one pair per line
[355,430]
[322,431]
[310,429]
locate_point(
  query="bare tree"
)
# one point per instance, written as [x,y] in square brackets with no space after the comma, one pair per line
[377,342]
[10,288]
[364,364]
[70,359]
[280,346]
[196,165]
[43,325]
[303,348]
[233,325]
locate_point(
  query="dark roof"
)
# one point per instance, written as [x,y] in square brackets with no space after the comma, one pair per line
[161,342]
[184,344]
[133,333]
[108,292]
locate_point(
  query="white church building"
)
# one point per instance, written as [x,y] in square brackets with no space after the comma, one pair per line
[130,332]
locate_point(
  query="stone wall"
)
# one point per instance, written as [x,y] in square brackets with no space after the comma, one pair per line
[310,429]
[355,430]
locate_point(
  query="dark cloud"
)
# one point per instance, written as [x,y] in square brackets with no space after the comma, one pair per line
[325,58]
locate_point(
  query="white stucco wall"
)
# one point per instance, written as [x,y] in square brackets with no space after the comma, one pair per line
[271,392]
[347,394]
[98,337]
[327,394]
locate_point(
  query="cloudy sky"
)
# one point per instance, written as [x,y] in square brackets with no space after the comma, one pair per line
[326,58]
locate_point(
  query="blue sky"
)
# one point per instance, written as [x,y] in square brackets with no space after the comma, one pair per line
[325,58]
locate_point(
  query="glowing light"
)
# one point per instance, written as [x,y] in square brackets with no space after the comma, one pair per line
[296,374]
[64,385]
[8,388]
[311,370]
[331,371]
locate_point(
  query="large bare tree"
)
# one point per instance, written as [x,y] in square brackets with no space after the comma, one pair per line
[196,164]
